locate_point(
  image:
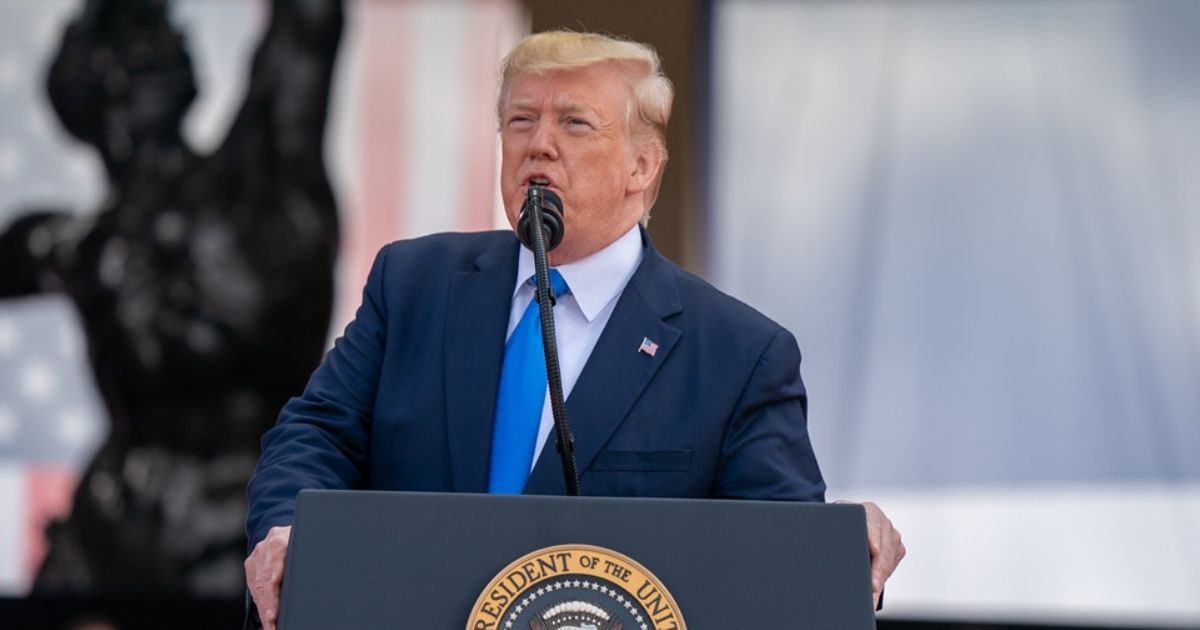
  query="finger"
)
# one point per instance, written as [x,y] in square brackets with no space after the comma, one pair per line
[874,543]
[875,539]
[270,604]
[275,569]
[254,576]
[267,605]
[878,575]
[895,555]
[273,572]
[264,573]
[892,548]
[874,528]
[268,611]
[269,594]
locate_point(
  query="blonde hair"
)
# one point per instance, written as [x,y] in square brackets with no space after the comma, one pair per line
[568,50]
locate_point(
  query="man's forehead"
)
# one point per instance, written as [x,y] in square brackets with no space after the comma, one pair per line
[560,102]
[578,89]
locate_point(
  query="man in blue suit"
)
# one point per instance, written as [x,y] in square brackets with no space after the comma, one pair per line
[674,389]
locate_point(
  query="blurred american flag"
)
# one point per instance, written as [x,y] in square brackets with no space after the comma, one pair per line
[391,149]
[50,416]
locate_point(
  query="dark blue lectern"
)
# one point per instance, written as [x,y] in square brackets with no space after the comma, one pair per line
[369,560]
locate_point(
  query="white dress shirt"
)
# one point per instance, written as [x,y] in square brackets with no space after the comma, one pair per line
[595,282]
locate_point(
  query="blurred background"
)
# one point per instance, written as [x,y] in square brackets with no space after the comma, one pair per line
[980,218]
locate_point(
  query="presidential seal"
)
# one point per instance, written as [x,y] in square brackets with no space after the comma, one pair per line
[575,587]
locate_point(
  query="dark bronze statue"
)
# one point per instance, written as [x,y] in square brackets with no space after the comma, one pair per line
[204,284]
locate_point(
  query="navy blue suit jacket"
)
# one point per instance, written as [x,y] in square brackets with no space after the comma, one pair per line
[405,399]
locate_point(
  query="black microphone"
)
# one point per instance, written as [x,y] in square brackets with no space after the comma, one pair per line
[552,217]
[543,207]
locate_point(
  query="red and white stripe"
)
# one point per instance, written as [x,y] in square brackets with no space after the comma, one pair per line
[33,495]
[414,144]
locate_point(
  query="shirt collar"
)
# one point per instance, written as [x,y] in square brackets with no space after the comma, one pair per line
[597,279]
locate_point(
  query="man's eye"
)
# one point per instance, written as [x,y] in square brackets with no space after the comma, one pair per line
[520,121]
[578,124]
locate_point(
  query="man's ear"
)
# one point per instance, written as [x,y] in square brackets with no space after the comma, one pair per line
[648,163]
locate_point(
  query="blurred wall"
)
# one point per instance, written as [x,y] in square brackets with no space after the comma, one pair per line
[981,220]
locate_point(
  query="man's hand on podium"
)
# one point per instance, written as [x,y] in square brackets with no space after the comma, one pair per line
[264,573]
[887,550]
[264,567]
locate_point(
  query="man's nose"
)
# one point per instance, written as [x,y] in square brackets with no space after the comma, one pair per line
[543,144]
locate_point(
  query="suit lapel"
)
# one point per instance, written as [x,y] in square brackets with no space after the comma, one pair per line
[616,372]
[476,321]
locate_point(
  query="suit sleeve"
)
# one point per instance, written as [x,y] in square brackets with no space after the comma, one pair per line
[766,452]
[321,438]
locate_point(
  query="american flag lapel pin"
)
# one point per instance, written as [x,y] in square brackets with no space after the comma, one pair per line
[648,347]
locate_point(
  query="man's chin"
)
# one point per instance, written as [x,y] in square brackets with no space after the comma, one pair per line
[562,255]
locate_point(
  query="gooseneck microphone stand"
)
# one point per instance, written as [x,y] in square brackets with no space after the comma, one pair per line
[540,227]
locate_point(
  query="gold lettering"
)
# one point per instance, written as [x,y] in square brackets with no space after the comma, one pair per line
[516,581]
[616,570]
[490,609]
[530,574]
[655,606]
[547,565]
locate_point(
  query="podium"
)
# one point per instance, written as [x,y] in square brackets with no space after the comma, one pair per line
[370,560]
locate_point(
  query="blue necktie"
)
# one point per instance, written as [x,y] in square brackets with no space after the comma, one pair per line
[521,398]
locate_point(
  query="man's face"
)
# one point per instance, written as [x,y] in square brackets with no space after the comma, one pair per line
[570,130]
